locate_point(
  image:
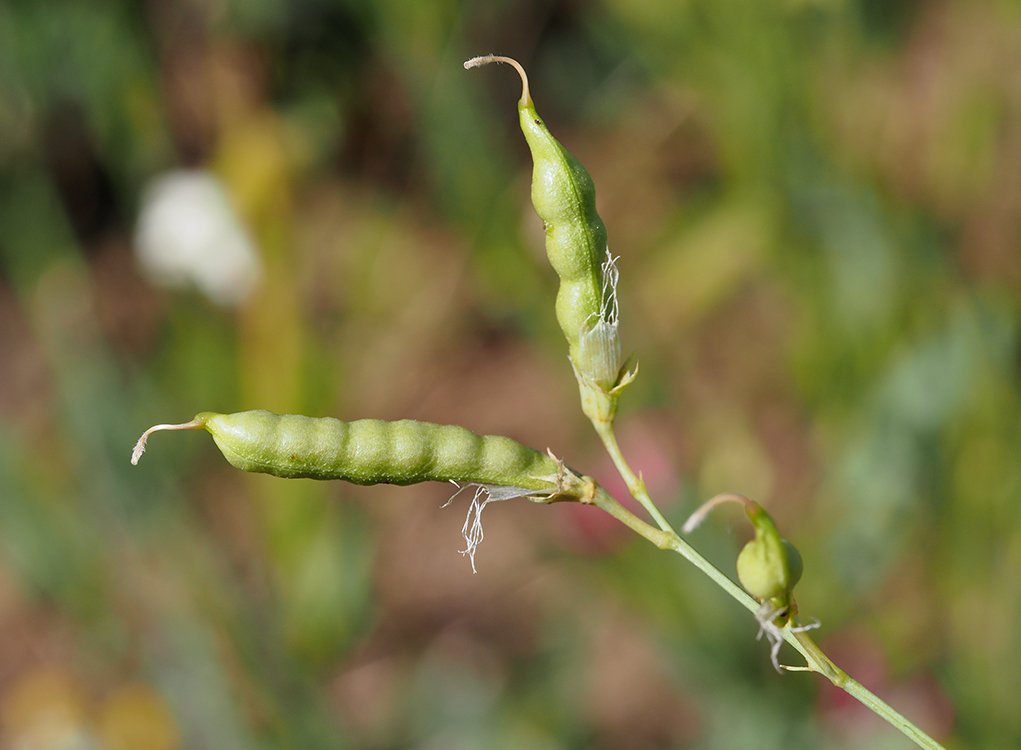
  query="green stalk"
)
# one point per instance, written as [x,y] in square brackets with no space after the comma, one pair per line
[635,484]
[815,659]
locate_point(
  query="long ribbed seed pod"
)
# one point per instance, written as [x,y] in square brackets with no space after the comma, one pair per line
[372,451]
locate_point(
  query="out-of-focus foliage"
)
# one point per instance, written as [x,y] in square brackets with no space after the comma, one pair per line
[818,208]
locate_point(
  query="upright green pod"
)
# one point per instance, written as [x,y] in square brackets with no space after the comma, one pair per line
[564,197]
[373,451]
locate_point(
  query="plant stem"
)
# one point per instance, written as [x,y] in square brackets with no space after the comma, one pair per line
[635,484]
[815,659]
[881,708]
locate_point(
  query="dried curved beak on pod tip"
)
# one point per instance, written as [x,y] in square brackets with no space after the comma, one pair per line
[564,197]
[372,451]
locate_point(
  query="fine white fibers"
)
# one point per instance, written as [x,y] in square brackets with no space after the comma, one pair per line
[766,616]
[610,310]
[484,495]
[600,348]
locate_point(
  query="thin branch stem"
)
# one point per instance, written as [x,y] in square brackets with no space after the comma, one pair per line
[635,484]
[815,659]
[881,708]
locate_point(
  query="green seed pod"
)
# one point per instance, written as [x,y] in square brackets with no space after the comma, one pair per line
[769,567]
[372,451]
[564,197]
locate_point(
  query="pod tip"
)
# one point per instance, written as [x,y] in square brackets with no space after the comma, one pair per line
[139,449]
[475,62]
[696,518]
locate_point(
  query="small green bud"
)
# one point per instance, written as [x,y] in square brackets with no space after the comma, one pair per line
[768,571]
[769,566]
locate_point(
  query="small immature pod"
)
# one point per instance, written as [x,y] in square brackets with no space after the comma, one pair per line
[564,197]
[769,566]
[372,451]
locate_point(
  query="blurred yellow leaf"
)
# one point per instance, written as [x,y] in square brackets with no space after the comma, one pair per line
[136,718]
[45,709]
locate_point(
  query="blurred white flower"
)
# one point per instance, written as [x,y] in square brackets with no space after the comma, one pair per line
[188,233]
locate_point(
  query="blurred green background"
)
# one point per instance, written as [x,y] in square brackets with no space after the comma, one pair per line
[817,204]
